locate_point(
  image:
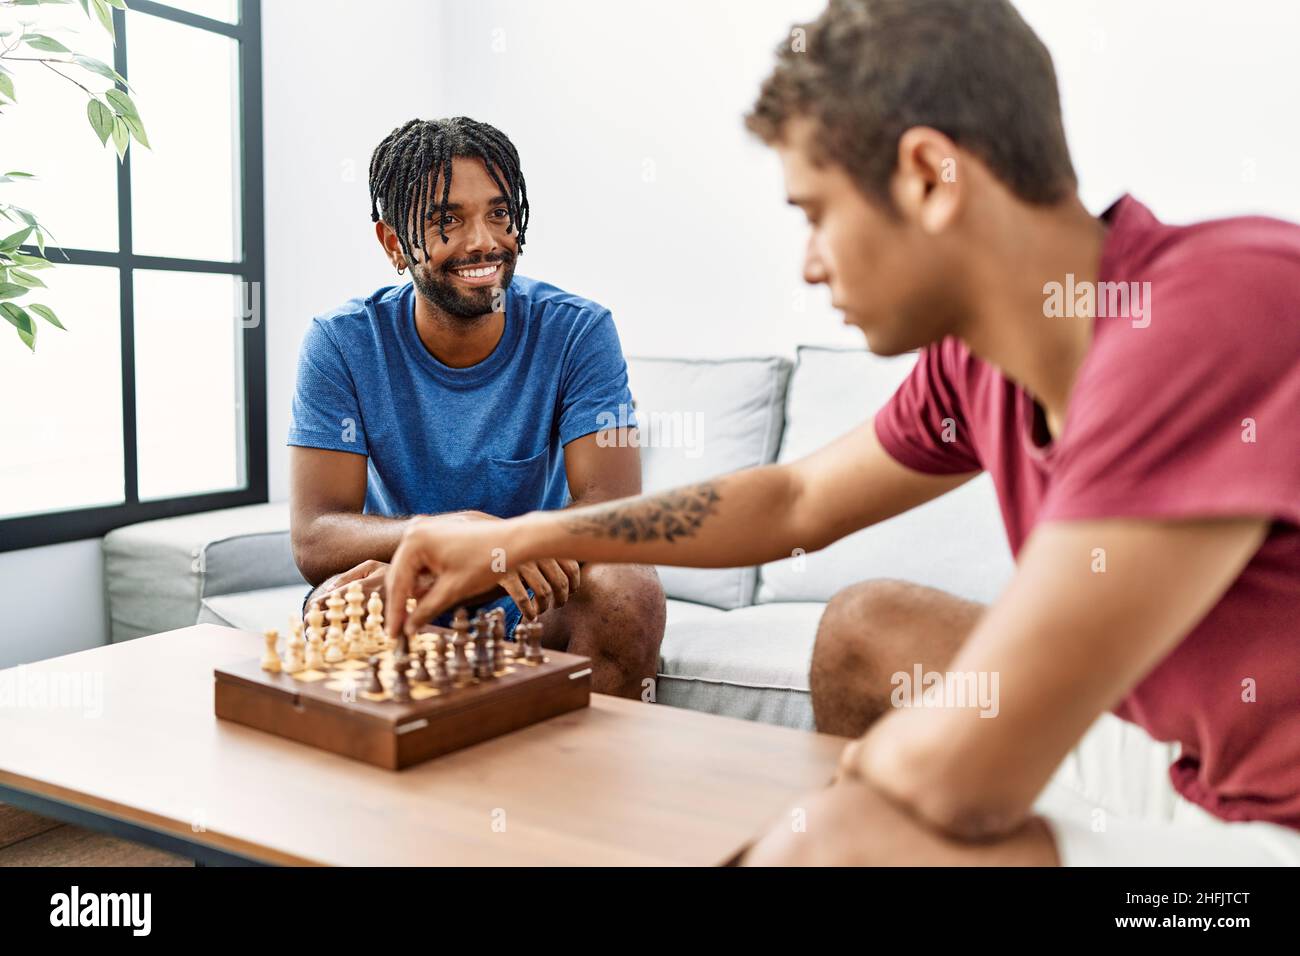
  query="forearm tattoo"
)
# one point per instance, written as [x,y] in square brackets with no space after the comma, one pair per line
[668,516]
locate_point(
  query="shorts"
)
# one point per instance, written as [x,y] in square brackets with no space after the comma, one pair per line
[1111,803]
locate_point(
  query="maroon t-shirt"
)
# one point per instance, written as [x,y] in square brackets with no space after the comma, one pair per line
[1187,405]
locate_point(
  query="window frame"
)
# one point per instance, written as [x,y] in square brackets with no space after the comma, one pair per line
[28,531]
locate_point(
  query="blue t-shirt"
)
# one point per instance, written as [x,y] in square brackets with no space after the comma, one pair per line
[489,437]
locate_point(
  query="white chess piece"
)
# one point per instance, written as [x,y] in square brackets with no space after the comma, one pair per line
[354,635]
[334,649]
[375,624]
[271,659]
[295,662]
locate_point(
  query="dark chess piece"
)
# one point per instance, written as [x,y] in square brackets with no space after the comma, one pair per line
[481,638]
[500,658]
[533,653]
[376,685]
[458,666]
[402,682]
[438,662]
[421,674]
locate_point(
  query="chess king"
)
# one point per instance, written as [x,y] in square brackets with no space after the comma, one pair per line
[471,393]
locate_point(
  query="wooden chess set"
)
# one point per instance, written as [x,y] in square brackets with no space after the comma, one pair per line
[354,691]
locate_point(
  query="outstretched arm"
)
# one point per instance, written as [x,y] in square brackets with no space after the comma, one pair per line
[748,517]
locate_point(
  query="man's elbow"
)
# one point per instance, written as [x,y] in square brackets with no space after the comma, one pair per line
[306,556]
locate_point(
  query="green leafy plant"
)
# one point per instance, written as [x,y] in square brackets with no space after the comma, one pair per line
[112,115]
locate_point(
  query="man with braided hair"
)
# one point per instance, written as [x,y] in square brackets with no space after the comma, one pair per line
[468,391]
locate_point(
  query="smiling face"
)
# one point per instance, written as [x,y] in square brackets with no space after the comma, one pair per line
[891,278]
[465,276]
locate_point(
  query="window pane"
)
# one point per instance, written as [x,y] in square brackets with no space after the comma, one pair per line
[184,190]
[63,404]
[226,10]
[45,132]
[189,383]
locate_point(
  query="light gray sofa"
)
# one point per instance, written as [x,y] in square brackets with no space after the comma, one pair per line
[738,641]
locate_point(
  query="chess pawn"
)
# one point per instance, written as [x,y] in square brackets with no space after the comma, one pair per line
[533,653]
[437,661]
[480,636]
[334,650]
[401,682]
[315,620]
[271,659]
[315,651]
[500,660]
[376,685]
[421,674]
[295,661]
[355,639]
[458,666]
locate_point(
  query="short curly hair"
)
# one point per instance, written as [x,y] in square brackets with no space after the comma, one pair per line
[866,71]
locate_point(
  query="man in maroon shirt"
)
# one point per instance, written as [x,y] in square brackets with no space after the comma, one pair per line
[1133,389]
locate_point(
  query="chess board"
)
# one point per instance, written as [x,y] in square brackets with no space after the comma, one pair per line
[330,706]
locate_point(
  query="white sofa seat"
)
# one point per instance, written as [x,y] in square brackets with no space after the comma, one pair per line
[750,663]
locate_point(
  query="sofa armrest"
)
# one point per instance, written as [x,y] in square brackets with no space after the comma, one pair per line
[156,573]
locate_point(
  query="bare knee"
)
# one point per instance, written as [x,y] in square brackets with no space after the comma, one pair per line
[617,615]
[871,631]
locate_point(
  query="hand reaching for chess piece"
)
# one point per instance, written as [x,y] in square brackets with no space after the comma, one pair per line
[552,581]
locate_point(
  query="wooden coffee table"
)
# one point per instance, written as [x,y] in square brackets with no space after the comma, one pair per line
[617,783]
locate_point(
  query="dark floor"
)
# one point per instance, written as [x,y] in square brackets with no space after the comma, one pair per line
[30,840]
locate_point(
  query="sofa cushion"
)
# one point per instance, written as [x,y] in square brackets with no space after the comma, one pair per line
[156,573]
[750,663]
[955,543]
[700,418]
[257,610]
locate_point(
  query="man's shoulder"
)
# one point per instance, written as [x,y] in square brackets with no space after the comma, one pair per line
[1231,251]
[358,314]
[542,299]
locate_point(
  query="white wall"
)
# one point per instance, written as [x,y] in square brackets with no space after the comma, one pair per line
[53,600]
[337,77]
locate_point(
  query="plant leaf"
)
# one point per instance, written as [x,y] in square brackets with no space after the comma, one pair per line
[39,41]
[11,290]
[15,239]
[137,130]
[122,104]
[105,15]
[7,86]
[21,321]
[99,67]
[101,119]
[30,263]
[46,313]
[26,279]
[121,136]
[17,174]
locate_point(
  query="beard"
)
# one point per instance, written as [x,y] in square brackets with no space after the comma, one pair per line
[440,288]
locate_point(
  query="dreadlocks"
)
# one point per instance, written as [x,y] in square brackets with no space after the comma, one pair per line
[401,165]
